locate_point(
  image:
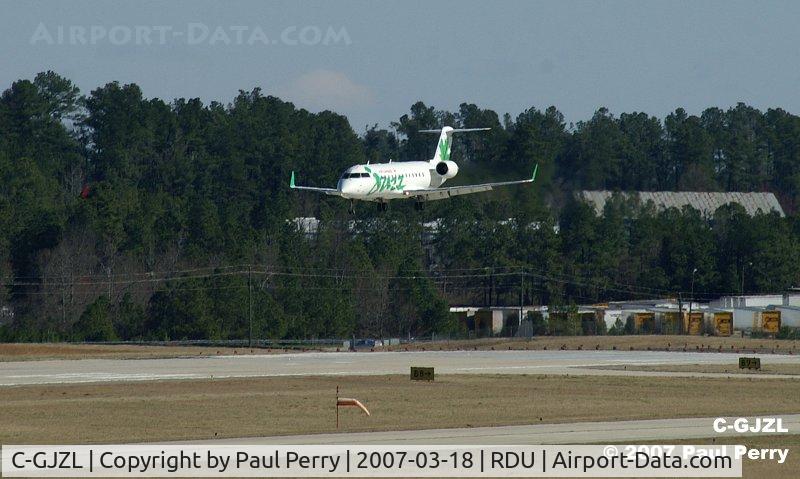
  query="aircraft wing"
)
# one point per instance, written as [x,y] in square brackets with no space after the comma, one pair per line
[443,193]
[327,191]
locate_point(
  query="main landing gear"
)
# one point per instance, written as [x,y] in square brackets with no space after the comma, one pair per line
[419,205]
[382,206]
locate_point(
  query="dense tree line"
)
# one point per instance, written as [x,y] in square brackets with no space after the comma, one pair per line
[123,217]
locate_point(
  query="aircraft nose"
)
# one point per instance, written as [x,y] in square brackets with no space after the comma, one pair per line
[346,186]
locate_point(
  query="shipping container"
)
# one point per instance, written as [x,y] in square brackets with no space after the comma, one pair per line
[770,322]
[644,322]
[723,324]
[693,323]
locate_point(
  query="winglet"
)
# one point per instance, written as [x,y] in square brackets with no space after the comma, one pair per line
[291,181]
[535,169]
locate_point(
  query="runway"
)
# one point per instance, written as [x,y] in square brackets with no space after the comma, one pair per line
[367,363]
[568,433]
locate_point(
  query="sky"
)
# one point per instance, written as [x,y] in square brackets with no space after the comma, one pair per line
[372,60]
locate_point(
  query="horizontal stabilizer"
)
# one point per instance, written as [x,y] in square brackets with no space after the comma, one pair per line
[454,130]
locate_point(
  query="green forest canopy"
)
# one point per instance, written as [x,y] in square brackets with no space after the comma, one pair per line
[123,217]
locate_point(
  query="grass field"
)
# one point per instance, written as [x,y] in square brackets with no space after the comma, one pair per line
[44,351]
[40,351]
[178,410]
[791,369]
[639,342]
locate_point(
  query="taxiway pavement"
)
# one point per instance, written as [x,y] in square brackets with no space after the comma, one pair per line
[369,363]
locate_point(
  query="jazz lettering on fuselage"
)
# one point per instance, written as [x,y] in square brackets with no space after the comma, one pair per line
[391,182]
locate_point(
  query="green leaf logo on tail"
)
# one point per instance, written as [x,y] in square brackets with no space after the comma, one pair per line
[444,149]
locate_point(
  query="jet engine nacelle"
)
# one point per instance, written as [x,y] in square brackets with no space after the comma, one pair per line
[447,169]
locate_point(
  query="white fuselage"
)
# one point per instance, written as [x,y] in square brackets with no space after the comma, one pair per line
[385,181]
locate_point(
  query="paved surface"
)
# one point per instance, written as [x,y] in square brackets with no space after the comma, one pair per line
[568,433]
[363,363]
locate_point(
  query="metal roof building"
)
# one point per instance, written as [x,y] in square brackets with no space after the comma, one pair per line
[705,202]
[756,300]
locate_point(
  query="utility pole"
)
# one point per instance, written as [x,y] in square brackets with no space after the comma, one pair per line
[521,296]
[749,263]
[691,300]
[250,302]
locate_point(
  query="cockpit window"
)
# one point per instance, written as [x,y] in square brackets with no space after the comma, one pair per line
[355,175]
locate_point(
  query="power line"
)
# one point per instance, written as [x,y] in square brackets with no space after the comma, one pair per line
[343,274]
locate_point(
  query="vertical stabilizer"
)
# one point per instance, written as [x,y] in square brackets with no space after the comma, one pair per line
[443,147]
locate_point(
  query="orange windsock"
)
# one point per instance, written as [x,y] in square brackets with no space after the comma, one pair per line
[343,402]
